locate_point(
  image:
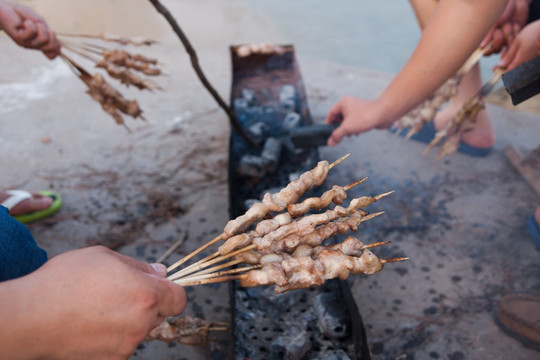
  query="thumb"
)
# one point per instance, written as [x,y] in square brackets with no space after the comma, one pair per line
[508,56]
[159,269]
[156,269]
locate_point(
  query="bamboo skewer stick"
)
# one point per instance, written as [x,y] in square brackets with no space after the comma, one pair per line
[217,274]
[474,58]
[350,186]
[78,50]
[110,38]
[194,253]
[218,328]
[338,161]
[211,281]
[183,272]
[235,262]
[392,260]
[172,248]
[216,268]
[209,257]
[188,282]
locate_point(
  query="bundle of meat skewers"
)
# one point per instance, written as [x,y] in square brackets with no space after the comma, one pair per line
[118,64]
[464,120]
[285,244]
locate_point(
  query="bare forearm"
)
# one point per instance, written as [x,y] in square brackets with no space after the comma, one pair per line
[423,9]
[20,333]
[455,30]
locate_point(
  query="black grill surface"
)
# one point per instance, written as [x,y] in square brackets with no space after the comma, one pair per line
[316,323]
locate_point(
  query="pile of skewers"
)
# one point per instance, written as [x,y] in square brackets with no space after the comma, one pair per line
[118,64]
[464,120]
[285,244]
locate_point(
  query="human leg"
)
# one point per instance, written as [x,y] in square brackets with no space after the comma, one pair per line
[33,203]
[19,253]
[27,207]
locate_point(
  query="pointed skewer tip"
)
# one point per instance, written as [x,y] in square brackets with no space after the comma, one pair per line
[391,260]
[350,186]
[377,244]
[378,197]
[338,161]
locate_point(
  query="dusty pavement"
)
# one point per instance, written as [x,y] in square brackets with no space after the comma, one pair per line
[461,220]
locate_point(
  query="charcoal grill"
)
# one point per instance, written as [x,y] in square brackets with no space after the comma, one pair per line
[316,323]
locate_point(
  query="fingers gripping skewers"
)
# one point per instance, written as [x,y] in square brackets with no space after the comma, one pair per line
[287,250]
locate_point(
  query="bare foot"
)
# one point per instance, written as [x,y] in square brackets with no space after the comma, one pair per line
[483,135]
[36,203]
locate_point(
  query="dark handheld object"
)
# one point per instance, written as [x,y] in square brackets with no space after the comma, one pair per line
[311,135]
[523,82]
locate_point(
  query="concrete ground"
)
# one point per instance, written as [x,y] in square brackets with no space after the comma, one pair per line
[460,220]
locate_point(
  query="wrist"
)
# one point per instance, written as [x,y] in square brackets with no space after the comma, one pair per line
[387,111]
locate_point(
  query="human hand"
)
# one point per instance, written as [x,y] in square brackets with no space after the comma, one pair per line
[28,29]
[96,304]
[524,48]
[355,116]
[509,24]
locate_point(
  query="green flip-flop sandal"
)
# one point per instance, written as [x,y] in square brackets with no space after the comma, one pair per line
[19,195]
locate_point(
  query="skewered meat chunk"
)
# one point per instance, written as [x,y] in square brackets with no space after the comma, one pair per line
[278,201]
[292,192]
[249,257]
[184,330]
[267,226]
[313,266]
[235,242]
[270,274]
[273,258]
[126,77]
[336,195]
[318,235]
[368,263]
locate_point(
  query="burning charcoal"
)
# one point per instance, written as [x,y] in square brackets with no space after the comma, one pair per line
[260,131]
[287,98]
[269,110]
[333,355]
[271,152]
[291,121]
[250,96]
[293,344]
[332,319]
[254,166]
[288,105]
[240,104]
[294,154]
[287,92]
